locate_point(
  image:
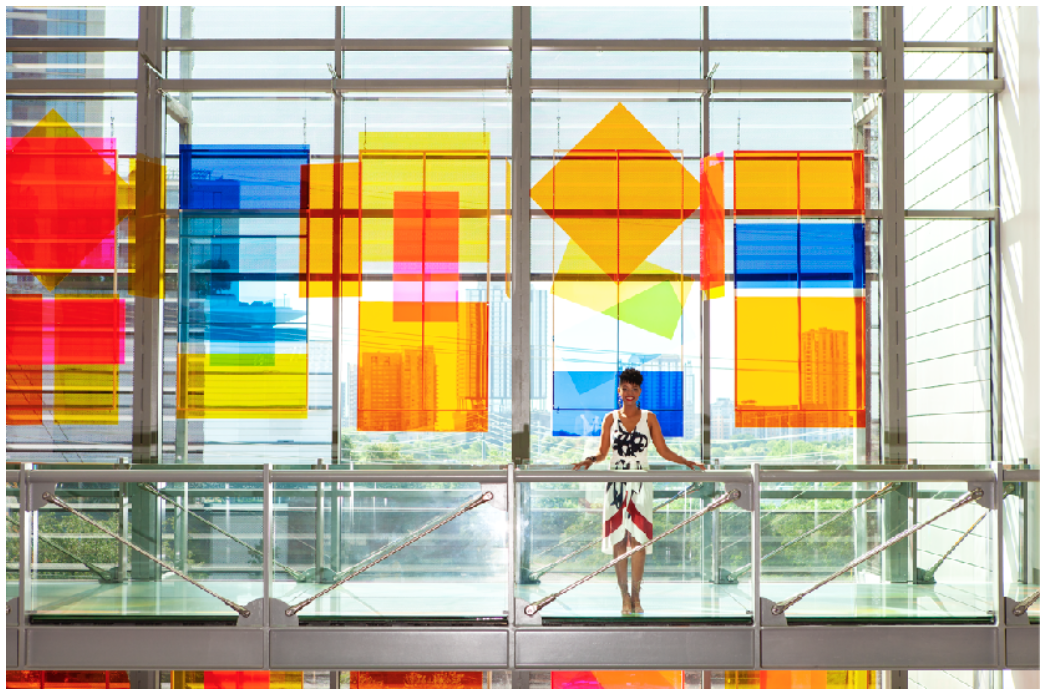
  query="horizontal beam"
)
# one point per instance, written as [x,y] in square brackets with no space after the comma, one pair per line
[949,46]
[913,214]
[330,44]
[391,476]
[1022,647]
[669,476]
[144,647]
[953,86]
[876,475]
[701,86]
[695,45]
[629,647]
[320,85]
[78,44]
[1031,475]
[388,648]
[880,647]
[84,86]
[142,476]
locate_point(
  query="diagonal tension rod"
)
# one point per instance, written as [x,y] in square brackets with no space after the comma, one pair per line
[879,493]
[780,607]
[103,575]
[290,571]
[1022,607]
[729,497]
[544,569]
[51,498]
[365,566]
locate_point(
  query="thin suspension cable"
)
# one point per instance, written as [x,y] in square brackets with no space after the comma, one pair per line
[881,492]
[476,502]
[544,569]
[1021,608]
[780,607]
[968,532]
[290,571]
[51,498]
[722,500]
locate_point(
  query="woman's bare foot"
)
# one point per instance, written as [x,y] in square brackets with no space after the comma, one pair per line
[626,606]
[637,608]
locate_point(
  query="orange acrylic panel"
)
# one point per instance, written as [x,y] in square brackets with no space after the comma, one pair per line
[324,213]
[800,679]
[415,680]
[713,222]
[422,375]
[792,183]
[423,349]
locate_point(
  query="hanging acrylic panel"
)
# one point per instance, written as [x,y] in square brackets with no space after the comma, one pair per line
[64,206]
[242,346]
[620,197]
[618,679]
[425,225]
[713,224]
[799,324]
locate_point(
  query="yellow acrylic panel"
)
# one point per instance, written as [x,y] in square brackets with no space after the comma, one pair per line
[243,386]
[317,245]
[86,394]
[767,345]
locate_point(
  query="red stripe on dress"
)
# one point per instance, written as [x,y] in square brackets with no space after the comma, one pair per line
[610,526]
[645,525]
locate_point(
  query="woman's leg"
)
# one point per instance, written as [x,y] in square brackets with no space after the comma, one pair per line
[621,569]
[638,563]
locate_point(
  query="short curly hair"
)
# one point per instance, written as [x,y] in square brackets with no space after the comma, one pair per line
[632,376]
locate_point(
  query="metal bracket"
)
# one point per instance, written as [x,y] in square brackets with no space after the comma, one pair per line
[767,617]
[924,577]
[326,576]
[988,499]
[747,501]
[12,611]
[726,577]
[1011,619]
[277,615]
[500,493]
[521,615]
[36,495]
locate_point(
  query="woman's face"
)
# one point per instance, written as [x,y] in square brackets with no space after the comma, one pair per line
[629,393]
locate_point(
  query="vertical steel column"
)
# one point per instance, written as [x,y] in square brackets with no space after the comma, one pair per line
[337,235]
[186,61]
[706,303]
[321,525]
[23,555]
[147,414]
[894,362]
[267,552]
[757,564]
[336,415]
[995,263]
[520,197]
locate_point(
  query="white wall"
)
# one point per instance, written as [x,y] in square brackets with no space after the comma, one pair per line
[1023,254]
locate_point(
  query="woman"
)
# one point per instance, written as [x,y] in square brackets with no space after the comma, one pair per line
[628,506]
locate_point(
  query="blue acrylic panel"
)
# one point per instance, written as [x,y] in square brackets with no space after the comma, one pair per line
[582,399]
[766,255]
[241,177]
[831,255]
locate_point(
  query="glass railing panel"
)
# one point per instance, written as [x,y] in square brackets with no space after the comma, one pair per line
[561,540]
[1020,539]
[813,530]
[456,567]
[205,540]
[12,538]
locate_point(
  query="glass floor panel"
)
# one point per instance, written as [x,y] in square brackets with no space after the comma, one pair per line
[972,602]
[173,599]
[661,601]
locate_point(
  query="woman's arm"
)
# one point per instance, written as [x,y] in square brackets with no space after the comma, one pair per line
[662,448]
[604,445]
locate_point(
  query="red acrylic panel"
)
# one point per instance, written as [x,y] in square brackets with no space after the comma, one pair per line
[425,252]
[61,205]
[236,680]
[25,346]
[713,222]
[89,331]
[415,680]
[618,679]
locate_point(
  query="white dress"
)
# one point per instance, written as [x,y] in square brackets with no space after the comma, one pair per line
[628,506]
